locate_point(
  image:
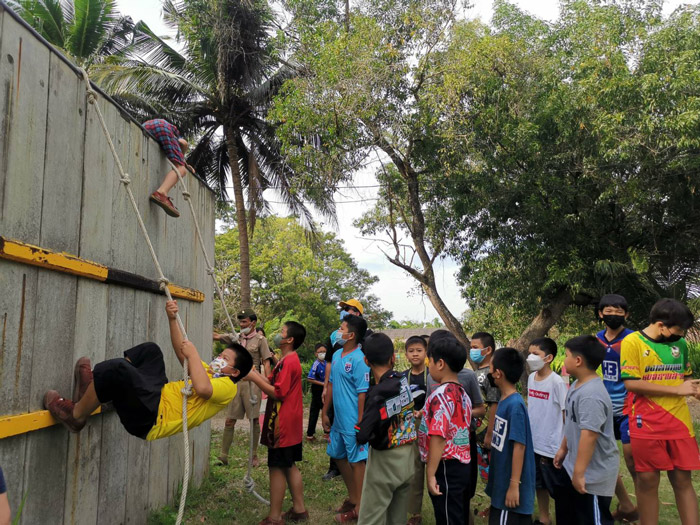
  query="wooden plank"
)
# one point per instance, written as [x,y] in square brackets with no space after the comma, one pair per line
[114,446]
[24,81]
[99,171]
[63,161]
[84,449]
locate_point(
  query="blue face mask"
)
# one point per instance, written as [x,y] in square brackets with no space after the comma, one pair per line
[337,339]
[475,355]
[344,314]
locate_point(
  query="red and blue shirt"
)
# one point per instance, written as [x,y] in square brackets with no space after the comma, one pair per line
[612,378]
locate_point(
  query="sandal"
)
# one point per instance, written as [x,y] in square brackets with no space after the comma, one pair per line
[345,517]
[345,507]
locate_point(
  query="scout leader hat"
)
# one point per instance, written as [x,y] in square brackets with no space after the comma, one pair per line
[352,302]
[246,313]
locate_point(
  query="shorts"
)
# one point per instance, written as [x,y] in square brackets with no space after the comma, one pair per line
[284,457]
[344,446]
[547,476]
[621,426]
[133,386]
[574,508]
[246,404]
[167,136]
[652,455]
[508,517]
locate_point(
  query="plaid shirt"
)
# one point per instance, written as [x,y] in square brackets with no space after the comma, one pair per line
[167,136]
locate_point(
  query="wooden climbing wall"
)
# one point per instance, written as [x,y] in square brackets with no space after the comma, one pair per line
[59,190]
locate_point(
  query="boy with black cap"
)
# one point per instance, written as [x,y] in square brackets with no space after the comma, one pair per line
[613,312]
[246,405]
[388,426]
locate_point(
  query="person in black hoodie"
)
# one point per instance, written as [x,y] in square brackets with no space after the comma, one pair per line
[388,426]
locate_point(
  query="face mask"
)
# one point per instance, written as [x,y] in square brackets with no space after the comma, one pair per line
[668,338]
[344,314]
[475,355]
[246,331]
[535,362]
[491,381]
[321,356]
[218,364]
[277,340]
[614,321]
[334,338]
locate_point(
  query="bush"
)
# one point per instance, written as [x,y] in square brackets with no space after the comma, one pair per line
[694,357]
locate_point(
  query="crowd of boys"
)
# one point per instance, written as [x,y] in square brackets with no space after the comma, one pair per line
[438,424]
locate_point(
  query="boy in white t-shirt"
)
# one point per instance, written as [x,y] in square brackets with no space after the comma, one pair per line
[546,397]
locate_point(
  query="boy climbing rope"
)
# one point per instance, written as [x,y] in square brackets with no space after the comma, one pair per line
[174,146]
[148,405]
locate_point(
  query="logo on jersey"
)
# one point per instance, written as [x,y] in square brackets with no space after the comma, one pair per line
[675,352]
[610,371]
[348,367]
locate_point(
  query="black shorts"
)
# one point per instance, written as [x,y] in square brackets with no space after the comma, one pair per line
[133,386]
[283,457]
[547,476]
[508,517]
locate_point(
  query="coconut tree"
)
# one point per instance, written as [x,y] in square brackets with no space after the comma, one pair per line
[87,31]
[218,90]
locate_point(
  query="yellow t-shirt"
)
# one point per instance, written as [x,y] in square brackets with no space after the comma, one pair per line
[656,417]
[169,421]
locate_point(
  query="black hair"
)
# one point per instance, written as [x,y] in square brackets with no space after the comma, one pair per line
[252,317]
[439,334]
[510,362]
[614,300]
[378,349]
[357,325]
[547,345]
[589,348]
[320,345]
[296,331]
[671,313]
[486,339]
[244,361]
[416,340]
[449,349]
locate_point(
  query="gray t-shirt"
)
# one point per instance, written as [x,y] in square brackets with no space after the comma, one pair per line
[588,407]
[467,378]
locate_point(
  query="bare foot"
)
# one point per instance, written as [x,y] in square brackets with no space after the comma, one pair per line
[255,462]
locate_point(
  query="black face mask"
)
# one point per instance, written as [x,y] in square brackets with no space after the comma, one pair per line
[491,381]
[614,321]
[668,338]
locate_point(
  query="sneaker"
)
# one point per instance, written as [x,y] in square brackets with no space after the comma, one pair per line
[330,475]
[310,439]
[290,515]
[164,202]
[346,517]
[83,378]
[62,410]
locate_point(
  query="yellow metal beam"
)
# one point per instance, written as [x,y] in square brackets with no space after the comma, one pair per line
[18,251]
[23,423]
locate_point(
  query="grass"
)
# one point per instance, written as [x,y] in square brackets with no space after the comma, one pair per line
[223,499]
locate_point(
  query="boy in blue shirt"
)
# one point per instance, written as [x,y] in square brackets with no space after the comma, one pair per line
[317,376]
[511,482]
[613,312]
[347,389]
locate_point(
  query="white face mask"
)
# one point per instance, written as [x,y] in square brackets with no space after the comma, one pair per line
[246,331]
[322,356]
[217,365]
[535,362]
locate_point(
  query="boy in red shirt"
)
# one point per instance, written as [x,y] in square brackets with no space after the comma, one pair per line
[282,430]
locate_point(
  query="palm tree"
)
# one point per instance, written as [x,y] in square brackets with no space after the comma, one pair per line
[219,90]
[87,31]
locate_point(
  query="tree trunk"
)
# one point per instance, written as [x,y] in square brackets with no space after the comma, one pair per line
[544,321]
[451,322]
[240,217]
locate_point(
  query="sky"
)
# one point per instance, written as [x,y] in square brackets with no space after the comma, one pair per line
[395,288]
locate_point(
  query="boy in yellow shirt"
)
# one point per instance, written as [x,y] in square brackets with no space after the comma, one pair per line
[148,405]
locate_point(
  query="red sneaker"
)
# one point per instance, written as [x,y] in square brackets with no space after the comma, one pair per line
[83,378]
[62,410]
[415,520]
[346,506]
[346,517]
[164,202]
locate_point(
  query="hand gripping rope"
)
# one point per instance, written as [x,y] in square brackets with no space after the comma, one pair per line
[163,281]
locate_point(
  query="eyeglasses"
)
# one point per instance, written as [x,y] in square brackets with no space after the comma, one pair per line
[351,308]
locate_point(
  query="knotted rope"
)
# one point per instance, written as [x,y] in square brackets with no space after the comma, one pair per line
[162,280]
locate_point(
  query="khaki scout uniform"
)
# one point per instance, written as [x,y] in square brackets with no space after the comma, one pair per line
[246,404]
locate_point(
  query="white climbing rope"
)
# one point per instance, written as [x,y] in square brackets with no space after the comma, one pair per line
[187,390]
[162,280]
